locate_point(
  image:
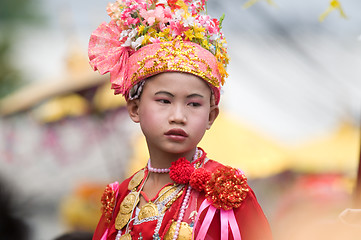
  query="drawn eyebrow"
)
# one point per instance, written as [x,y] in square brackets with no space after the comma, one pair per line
[195,95]
[164,92]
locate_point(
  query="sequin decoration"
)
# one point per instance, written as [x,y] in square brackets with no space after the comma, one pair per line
[176,55]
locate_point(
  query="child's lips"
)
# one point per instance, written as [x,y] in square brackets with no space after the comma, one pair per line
[176,134]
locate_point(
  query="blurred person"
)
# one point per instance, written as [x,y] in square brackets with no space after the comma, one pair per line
[75,236]
[12,225]
[168,59]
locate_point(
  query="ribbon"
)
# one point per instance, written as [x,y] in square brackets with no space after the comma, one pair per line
[227,219]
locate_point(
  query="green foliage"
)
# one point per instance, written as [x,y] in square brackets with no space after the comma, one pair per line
[12,14]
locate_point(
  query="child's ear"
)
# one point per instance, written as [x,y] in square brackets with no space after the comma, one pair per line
[133,107]
[213,114]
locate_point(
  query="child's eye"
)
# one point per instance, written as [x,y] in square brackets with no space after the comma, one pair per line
[194,104]
[164,101]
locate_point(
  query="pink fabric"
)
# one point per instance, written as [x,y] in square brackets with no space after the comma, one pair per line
[181,56]
[107,55]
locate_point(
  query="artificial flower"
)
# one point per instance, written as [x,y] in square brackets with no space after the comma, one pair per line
[108,200]
[141,22]
[199,179]
[181,171]
[227,188]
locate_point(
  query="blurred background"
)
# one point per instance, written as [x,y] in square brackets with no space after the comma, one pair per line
[290,113]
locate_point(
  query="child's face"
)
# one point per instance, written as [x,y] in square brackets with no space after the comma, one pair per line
[174,112]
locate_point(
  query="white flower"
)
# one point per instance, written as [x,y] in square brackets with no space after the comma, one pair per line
[127,43]
[124,33]
[137,42]
[164,2]
[188,21]
[178,14]
[133,33]
[213,37]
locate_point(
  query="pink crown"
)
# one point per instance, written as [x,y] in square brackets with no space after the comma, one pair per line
[147,37]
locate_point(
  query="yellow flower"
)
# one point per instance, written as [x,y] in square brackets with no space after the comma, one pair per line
[198,31]
[183,6]
[189,34]
[205,43]
[223,72]
[334,5]
[164,34]
[152,32]
[145,40]
[141,29]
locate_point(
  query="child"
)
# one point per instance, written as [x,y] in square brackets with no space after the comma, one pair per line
[168,60]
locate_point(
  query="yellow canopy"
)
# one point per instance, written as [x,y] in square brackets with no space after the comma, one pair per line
[335,151]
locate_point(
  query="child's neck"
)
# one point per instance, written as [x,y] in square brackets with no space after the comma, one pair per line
[164,160]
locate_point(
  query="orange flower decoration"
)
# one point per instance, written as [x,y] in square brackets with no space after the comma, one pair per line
[108,200]
[227,188]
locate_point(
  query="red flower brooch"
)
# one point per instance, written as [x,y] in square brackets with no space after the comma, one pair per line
[226,188]
[108,200]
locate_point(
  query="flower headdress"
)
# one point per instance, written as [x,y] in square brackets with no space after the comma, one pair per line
[147,37]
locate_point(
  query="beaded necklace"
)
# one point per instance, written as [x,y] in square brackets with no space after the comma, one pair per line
[165,202]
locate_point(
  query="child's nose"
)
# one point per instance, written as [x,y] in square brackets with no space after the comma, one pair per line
[178,115]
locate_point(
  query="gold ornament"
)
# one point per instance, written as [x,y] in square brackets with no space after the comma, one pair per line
[129,202]
[136,180]
[122,220]
[148,210]
[185,231]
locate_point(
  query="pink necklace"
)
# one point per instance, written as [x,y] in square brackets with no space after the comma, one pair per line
[167,170]
[157,170]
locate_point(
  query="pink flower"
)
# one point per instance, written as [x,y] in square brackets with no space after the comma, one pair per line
[177,28]
[154,40]
[151,16]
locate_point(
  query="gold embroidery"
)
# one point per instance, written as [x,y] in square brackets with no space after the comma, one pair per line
[175,56]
